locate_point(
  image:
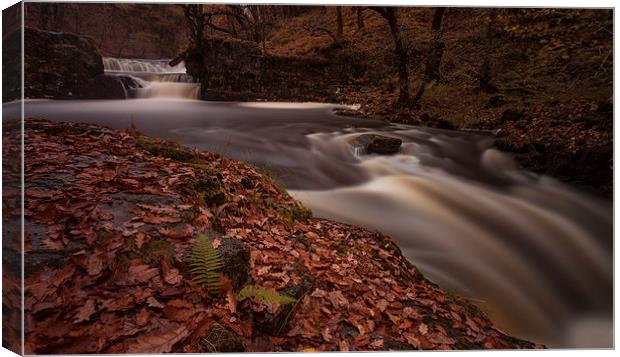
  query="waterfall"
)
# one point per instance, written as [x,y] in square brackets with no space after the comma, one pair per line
[153,78]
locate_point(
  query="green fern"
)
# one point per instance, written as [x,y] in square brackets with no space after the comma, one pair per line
[264,295]
[205,263]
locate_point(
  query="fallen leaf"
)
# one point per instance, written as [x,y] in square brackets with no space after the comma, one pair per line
[94,264]
[423,329]
[377,343]
[152,302]
[161,219]
[159,341]
[142,317]
[85,312]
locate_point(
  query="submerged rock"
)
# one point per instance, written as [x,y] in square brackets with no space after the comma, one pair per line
[377,144]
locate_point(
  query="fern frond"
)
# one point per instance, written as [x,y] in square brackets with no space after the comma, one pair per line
[205,263]
[264,296]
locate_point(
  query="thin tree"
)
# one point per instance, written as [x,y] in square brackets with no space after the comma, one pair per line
[435,53]
[360,17]
[339,24]
[390,15]
[196,22]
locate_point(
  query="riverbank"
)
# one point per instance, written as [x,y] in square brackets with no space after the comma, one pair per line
[541,79]
[112,215]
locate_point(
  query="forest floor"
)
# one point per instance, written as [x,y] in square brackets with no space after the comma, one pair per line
[110,217]
[549,98]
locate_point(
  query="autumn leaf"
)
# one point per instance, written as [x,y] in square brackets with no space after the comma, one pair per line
[439,338]
[337,299]
[171,275]
[326,334]
[178,303]
[423,329]
[159,341]
[152,302]
[85,312]
[53,244]
[377,343]
[161,219]
[142,317]
[95,264]
[138,274]
[411,339]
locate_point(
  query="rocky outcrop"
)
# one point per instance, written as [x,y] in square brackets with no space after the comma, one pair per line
[59,65]
[377,144]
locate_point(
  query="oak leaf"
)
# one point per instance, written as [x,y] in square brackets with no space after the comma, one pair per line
[159,341]
[85,312]
[160,219]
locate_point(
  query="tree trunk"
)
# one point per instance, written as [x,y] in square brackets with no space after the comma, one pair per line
[360,18]
[435,53]
[403,70]
[339,23]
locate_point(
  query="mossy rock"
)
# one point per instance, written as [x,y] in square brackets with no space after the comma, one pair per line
[156,251]
[236,257]
[207,186]
[166,149]
[220,339]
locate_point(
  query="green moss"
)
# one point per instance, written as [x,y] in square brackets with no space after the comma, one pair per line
[166,149]
[120,264]
[191,214]
[341,247]
[294,213]
[264,295]
[220,339]
[155,251]
[207,186]
[247,183]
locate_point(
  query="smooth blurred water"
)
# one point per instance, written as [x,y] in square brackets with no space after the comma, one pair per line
[534,253]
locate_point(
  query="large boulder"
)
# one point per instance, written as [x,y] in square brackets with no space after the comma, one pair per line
[110,87]
[377,144]
[59,65]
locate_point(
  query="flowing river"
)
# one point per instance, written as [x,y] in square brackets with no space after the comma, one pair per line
[534,253]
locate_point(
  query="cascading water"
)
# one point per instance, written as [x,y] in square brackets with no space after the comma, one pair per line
[153,78]
[534,253]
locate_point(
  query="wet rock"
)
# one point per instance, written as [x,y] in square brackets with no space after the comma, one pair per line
[109,87]
[236,257]
[56,64]
[377,144]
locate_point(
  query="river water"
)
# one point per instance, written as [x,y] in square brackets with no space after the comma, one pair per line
[534,253]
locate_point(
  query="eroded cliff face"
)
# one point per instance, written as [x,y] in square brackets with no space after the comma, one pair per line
[59,65]
[230,69]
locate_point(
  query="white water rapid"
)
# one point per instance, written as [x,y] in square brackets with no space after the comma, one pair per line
[153,78]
